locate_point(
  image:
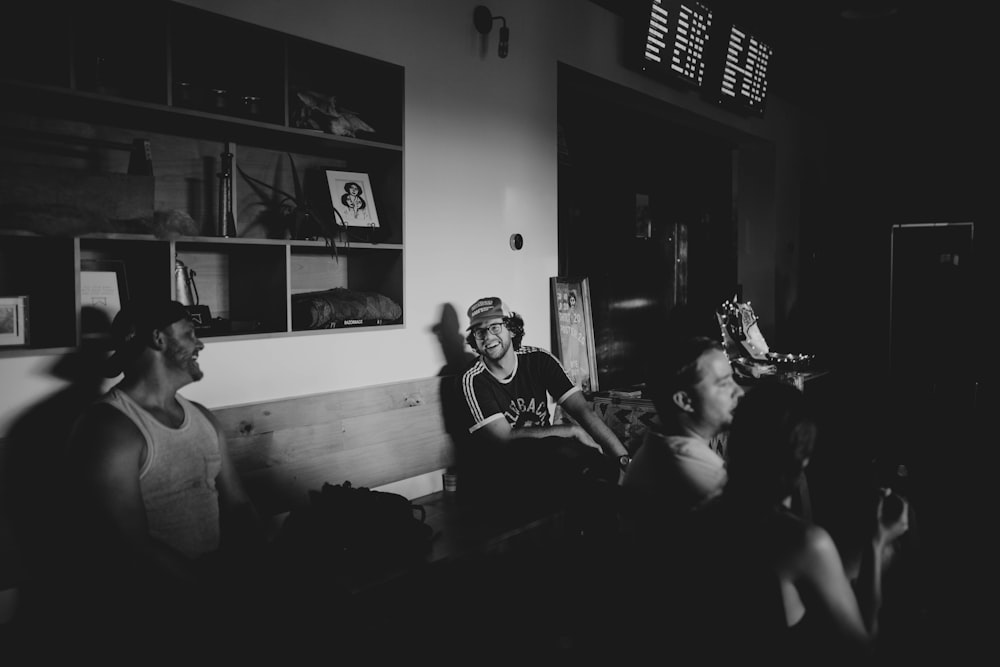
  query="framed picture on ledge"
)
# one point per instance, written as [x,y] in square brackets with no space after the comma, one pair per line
[13,321]
[103,290]
[352,198]
[573,329]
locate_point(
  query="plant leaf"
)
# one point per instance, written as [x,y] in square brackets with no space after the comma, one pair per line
[295,179]
[295,209]
[257,184]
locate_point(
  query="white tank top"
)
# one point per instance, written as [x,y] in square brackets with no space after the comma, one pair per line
[177,479]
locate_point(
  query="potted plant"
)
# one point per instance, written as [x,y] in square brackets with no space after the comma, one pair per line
[291,215]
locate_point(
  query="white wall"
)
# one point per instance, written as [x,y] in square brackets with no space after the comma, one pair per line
[480,142]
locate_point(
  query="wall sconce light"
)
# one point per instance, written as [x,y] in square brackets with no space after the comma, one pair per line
[483,19]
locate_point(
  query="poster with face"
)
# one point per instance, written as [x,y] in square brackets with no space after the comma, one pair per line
[352,198]
[574,331]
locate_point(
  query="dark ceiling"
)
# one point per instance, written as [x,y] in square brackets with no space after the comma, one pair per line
[829,52]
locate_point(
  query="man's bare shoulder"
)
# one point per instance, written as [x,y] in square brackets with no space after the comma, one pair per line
[101,415]
[210,416]
[102,426]
[203,410]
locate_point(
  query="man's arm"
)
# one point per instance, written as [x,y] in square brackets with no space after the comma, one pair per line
[598,432]
[499,431]
[106,451]
[492,427]
[240,524]
[589,429]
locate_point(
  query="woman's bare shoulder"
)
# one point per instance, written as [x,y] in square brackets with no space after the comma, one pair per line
[799,542]
[810,548]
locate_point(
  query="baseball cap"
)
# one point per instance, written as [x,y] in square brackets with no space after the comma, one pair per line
[136,318]
[485,309]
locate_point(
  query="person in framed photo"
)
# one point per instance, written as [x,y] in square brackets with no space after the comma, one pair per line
[7,320]
[354,201]
[13,320]
[574,343]
[576,315]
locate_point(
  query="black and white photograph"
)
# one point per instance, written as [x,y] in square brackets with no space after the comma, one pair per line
[551,331]
[351,194]
[13,320]
[574,339]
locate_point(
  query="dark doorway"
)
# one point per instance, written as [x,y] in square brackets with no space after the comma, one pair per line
[616,144]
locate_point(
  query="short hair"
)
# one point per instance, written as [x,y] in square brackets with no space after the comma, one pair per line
[514,324]
[676,368]
[773,432]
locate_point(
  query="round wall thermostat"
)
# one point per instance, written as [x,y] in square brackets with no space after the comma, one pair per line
[516,241]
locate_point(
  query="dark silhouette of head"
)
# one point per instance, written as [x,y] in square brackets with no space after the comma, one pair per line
[771,439]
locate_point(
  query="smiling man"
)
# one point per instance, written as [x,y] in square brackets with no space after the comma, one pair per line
[507,392]
[154,491]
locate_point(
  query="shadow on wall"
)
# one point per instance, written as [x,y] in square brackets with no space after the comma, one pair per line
[457,357]
[32,476]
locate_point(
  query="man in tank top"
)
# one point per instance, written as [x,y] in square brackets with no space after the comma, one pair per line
[155,494]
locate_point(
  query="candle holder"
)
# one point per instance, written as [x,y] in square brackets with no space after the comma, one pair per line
[226,220]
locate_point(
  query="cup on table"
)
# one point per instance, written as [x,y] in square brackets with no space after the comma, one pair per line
[450,482]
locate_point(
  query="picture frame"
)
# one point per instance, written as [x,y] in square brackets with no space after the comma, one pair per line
[14,321]
[573,330]
[352,198]
[103,291]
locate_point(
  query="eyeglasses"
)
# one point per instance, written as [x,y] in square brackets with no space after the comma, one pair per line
[494,329]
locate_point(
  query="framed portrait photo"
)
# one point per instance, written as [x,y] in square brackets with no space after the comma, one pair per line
[13,321]
[573,330]
[103,290]
[352,198]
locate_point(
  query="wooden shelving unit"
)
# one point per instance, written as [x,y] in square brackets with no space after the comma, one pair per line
[189,85]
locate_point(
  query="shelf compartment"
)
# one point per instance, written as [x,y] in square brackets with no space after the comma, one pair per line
[377,271]
[385,175]
[244,285]
[358,87]
[226,66]
[120,49]
[146,268]
[42,269]
[257,211]
[366,269]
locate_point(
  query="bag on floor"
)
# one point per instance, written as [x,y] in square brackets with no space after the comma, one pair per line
[358,526]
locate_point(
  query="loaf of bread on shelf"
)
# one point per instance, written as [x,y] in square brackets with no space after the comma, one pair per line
[340,306]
